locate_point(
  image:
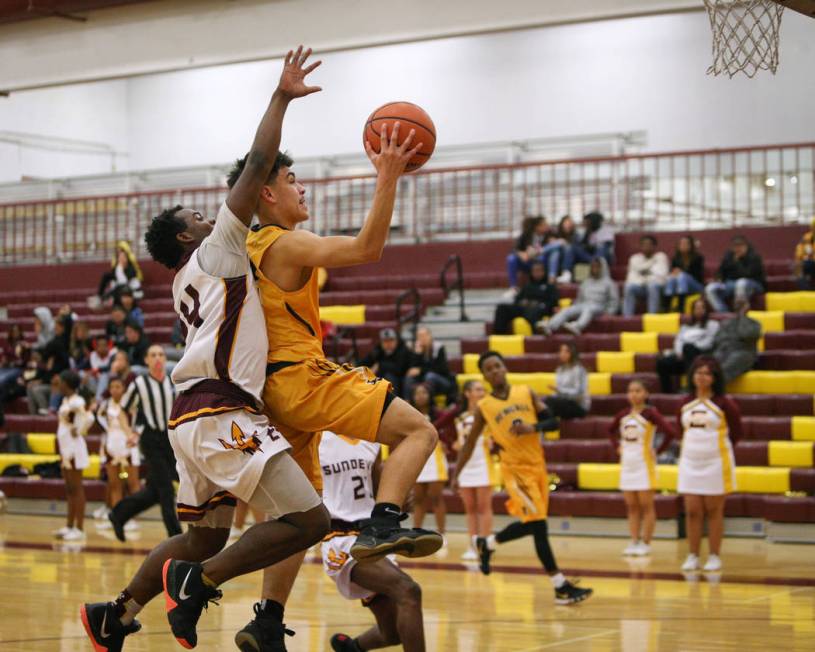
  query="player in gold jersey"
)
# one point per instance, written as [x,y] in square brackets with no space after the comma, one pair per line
[515,417]
[304,392]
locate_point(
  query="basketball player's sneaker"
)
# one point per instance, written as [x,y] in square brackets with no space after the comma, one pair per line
[713,565]
[263,634]
[568,593]
[104,628]
[484,554]
[691,563]
[186,595]
[344,643]
[380,537]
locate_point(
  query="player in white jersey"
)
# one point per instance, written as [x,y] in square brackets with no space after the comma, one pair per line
[350,471]
[225,447]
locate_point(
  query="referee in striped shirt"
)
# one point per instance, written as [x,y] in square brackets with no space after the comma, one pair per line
[152,394]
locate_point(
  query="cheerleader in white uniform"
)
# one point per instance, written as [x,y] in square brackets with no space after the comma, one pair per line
[74,421]
[632,433]
[427,492]
[476,479]
[120,444]
[711,424]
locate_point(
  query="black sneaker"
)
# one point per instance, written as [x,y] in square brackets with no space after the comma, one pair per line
[185,595]
[380,537]
[104,628]
[344,643]
[263,634]
[118,527]
[484,555]
[571,594]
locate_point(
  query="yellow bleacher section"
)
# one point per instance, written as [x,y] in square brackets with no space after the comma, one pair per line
[803,428]
[345,315]
[790,453]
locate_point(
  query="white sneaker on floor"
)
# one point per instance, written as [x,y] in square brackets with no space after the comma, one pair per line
[509,295]
[130,526]
[74,534]
[565,277]
[60,534]
[691,563]
[643,549]
[631,549]
[713,564]
[469,555]
[101,513]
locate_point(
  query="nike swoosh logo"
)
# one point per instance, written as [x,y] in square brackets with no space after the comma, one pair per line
[183,592]
[104,632]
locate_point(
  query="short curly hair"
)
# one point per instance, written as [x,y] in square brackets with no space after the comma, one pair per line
[282,160]
[161,239]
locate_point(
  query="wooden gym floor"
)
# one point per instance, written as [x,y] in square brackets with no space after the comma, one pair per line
[765,599]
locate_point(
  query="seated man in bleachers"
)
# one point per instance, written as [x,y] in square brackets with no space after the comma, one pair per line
[647,274]
[131,306]
[115,326]
[135,345]
[598,295]
[740,275]
[736,343]
[390,359]
[536,300]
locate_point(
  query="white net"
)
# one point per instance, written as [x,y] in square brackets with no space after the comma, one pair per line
[745,36]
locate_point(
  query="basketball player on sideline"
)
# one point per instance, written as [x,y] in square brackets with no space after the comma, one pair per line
[305,393]
[224,445]
[351,469]
[512,414]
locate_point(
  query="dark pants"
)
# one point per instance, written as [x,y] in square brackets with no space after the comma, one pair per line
[671,366]
[506,312]
[564,408]
[158,486]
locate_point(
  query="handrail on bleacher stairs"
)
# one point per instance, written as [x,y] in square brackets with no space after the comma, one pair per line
[340,333]
[458,283]
[411,317]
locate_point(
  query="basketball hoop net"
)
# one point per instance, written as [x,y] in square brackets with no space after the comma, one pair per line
[745,35]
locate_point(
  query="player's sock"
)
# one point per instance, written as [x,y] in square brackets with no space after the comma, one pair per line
[558,580]
[386,510]
[491,542]
[272,608]
[126,607]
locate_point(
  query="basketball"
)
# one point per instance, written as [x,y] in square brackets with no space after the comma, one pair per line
[410,116]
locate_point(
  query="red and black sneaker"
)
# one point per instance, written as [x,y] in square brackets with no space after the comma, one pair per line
[103,626]
[186,595]
[344,643]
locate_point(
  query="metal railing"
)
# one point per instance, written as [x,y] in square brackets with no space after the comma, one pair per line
[746,186]
[412,316]
[454,261]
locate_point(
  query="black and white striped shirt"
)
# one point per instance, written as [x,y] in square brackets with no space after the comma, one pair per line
[154,400]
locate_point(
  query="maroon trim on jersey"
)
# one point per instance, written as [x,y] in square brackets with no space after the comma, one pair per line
[235,294]
[209,397]
[197,512]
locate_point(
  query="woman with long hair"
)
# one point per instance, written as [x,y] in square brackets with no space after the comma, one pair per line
[687,272]
[124,272]
[475,480]
[570,399]
[693,339]
[710,423]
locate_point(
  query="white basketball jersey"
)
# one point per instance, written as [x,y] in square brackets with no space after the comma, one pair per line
[347,467]
[225,331]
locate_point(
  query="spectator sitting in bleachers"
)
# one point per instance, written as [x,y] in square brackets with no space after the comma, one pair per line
[429,366]
[693,339]
[596,239]
[687,272]
[598,295]
[805,259]
[41,390]
[120,368]
[13,358]
[100,361]
[735,346]
[43,326]
[135,346]
[80,346]
[132,310]
[124,272]
[537,299]
[571,398]
[646,277]
[536,242]
[390,359]
[740,275]
[568,237]
[115,326]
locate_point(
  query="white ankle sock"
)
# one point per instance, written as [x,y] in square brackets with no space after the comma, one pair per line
[132,609]
[491,542]
[558,580]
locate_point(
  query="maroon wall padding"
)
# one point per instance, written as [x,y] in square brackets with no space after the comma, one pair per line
[802,480]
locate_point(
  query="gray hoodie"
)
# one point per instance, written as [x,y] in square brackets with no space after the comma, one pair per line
[601,292]
[47,321]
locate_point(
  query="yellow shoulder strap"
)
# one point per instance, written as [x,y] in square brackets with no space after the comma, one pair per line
[259,240]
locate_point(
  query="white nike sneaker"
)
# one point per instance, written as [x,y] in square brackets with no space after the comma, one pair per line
[74,534]
[713,564]
[469,555]
[643,549]
[691,563]
[60,534]
[631,549]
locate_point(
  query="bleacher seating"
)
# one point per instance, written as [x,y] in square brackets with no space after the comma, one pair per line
[776,473]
